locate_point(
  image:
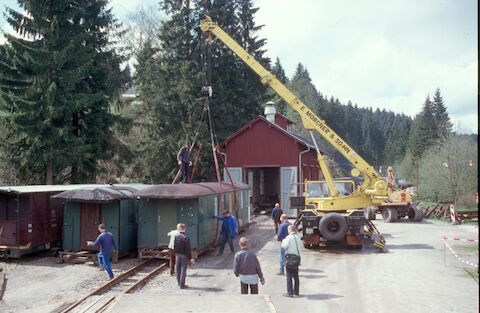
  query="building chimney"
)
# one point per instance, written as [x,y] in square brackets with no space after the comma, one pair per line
[270,111]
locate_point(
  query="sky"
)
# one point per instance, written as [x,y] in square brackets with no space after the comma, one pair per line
[381,54]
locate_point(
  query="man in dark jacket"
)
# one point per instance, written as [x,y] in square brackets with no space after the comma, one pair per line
[276,213]
[247,267]
[228,231]
[107,245]
[183,159]
[183,255]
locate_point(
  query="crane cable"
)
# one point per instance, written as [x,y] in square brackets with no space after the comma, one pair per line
[207,93]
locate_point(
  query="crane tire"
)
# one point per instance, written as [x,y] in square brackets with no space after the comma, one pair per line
[418,215]
[370,213]
[389,215]
[412,214]
[333,226]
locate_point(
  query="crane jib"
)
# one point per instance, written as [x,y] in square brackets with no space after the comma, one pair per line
[321,126]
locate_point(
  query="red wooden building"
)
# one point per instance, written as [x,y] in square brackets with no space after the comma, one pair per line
[270,158]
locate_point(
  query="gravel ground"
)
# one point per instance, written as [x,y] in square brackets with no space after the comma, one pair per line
[39,284]
[415,274]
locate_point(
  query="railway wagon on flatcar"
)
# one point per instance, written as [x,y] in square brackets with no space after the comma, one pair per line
[30,220]
[161,207]
[86,208]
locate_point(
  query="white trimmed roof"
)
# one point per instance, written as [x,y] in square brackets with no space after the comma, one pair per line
[46,188]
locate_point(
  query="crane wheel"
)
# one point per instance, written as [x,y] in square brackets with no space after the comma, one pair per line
[415,214]
[389,215]
[418,214]
[370,213]
[333,226]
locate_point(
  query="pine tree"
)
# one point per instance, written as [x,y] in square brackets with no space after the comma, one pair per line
[169,83]
[61,73]
[443,124]
[423,133]
[279,73]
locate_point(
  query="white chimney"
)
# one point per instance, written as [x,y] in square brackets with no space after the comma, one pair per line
[270,111]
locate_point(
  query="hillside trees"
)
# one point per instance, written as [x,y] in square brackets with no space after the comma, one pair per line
[60,75]
[450,170]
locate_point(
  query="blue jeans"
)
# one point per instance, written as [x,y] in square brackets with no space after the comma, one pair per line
[292,274]
[282,260]
[100,260]
[104,262]
[226,238]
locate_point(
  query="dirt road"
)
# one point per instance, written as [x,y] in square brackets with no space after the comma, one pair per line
[413,275]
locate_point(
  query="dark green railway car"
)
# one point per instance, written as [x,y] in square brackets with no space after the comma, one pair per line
[111,205]
[161,207]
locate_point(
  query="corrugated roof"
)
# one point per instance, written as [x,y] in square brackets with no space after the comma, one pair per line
[100,194]
[44,188]
[186,191]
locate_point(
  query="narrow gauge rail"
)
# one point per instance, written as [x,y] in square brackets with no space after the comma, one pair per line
[127,282]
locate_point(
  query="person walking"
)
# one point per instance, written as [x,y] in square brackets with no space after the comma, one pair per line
[183,159]
[247,267]
[228,231]
[171,245]
[276,213]
[106,243]
[183,255]
[282,233]
[291,245]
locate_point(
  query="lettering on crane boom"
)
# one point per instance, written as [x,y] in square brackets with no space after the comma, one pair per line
[325,129]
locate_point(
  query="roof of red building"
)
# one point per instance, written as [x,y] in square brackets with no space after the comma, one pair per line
[260,119]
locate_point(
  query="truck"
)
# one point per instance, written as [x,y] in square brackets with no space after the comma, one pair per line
[329,210]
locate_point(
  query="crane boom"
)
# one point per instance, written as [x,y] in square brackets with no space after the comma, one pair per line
[372,191]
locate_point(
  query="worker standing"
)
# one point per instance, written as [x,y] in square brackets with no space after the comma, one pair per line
[390,178]
[183,159]
[183,255]
[247,267]
[276,213]
[282,233]
[291,245]
[171,245]
[107,245]
[228,231]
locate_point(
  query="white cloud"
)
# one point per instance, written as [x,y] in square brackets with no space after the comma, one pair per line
[386,54]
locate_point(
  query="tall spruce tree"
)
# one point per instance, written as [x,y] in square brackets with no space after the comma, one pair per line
[443,124]
[60,76]
[424,132]
[170,82]
[279,72]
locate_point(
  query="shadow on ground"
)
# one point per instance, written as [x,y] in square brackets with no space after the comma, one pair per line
[411,246]
[321,296]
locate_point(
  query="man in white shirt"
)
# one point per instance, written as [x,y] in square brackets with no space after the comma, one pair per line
[291,245]
[171,246]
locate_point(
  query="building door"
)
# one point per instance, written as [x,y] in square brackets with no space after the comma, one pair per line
[288,188]
[89,220]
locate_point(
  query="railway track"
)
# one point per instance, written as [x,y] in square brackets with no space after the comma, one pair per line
[133,279]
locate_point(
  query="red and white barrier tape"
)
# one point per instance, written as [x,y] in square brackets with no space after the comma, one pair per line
[459,239]
[459,258]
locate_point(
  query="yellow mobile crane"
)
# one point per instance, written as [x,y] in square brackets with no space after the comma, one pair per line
[338,214]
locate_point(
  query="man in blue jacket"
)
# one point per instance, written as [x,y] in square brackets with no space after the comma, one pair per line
[282,233]
[107,245]
[228,231]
